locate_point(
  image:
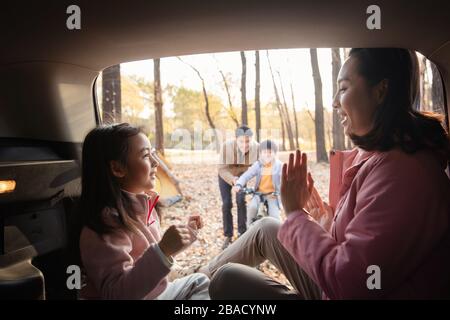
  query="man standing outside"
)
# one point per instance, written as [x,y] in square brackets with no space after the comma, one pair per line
[236,156]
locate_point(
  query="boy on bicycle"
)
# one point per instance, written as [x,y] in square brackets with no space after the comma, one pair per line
[267,171]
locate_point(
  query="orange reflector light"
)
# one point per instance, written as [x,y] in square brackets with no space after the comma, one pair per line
[7,186]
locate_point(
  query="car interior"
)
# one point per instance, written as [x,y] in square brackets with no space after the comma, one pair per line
[48,103]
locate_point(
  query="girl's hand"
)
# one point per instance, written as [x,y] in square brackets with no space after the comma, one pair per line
[296,184]
[176,239]
[195,222]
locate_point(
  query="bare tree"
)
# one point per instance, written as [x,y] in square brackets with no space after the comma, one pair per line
[319,123]
[346,52]
[295,117]
[244,88]
[205,96]
[424,86]
[349,143]
[159,127]
[338,130]
[111,95]
[309,112]
[257,96]
[431,89]
[286,115]
[437,93]
[230,109]
[278,104]
[329,134]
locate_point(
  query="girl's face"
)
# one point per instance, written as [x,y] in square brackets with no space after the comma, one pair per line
[266,156]
[140,172]
[355,100]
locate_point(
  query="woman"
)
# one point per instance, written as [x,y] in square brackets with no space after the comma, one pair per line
[385,233]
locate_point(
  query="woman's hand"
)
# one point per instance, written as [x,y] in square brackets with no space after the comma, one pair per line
[296,184]
[319,210]
[176,239]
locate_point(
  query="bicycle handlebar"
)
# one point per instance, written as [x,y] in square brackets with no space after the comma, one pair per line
[252,191]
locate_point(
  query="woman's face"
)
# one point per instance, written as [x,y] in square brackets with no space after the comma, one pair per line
[355,100]
[140,172]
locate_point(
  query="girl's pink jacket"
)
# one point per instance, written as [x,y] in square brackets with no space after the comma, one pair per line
[122,265]
[391,210]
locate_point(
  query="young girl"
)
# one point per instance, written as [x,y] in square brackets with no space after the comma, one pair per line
[122,251]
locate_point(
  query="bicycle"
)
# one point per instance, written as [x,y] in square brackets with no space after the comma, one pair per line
[263,208]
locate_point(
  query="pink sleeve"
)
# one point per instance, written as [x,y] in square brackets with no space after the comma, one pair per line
[396,202]
[115,274]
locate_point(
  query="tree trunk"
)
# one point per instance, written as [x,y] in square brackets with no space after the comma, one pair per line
[257,96]
[244,89]
[319,120]
[295,118]
[207,113]
[423,68]
[283,133]
[230,110]
[112,97]
[425,103]
[329,133]
[437,94]
[346,52]
[159,128]
[287,117]
[338,130]
[278,103]
[349,145]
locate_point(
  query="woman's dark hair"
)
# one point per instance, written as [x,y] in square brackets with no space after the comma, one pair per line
[100,187]
[268,145]
[396,123]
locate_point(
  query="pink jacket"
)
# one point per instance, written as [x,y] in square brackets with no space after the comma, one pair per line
[392,210]
[122,265]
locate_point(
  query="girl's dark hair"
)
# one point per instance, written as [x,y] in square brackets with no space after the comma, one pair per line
[268,145]
[100,187]
[396,123]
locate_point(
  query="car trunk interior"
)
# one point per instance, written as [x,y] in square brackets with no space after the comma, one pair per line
[47,96]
